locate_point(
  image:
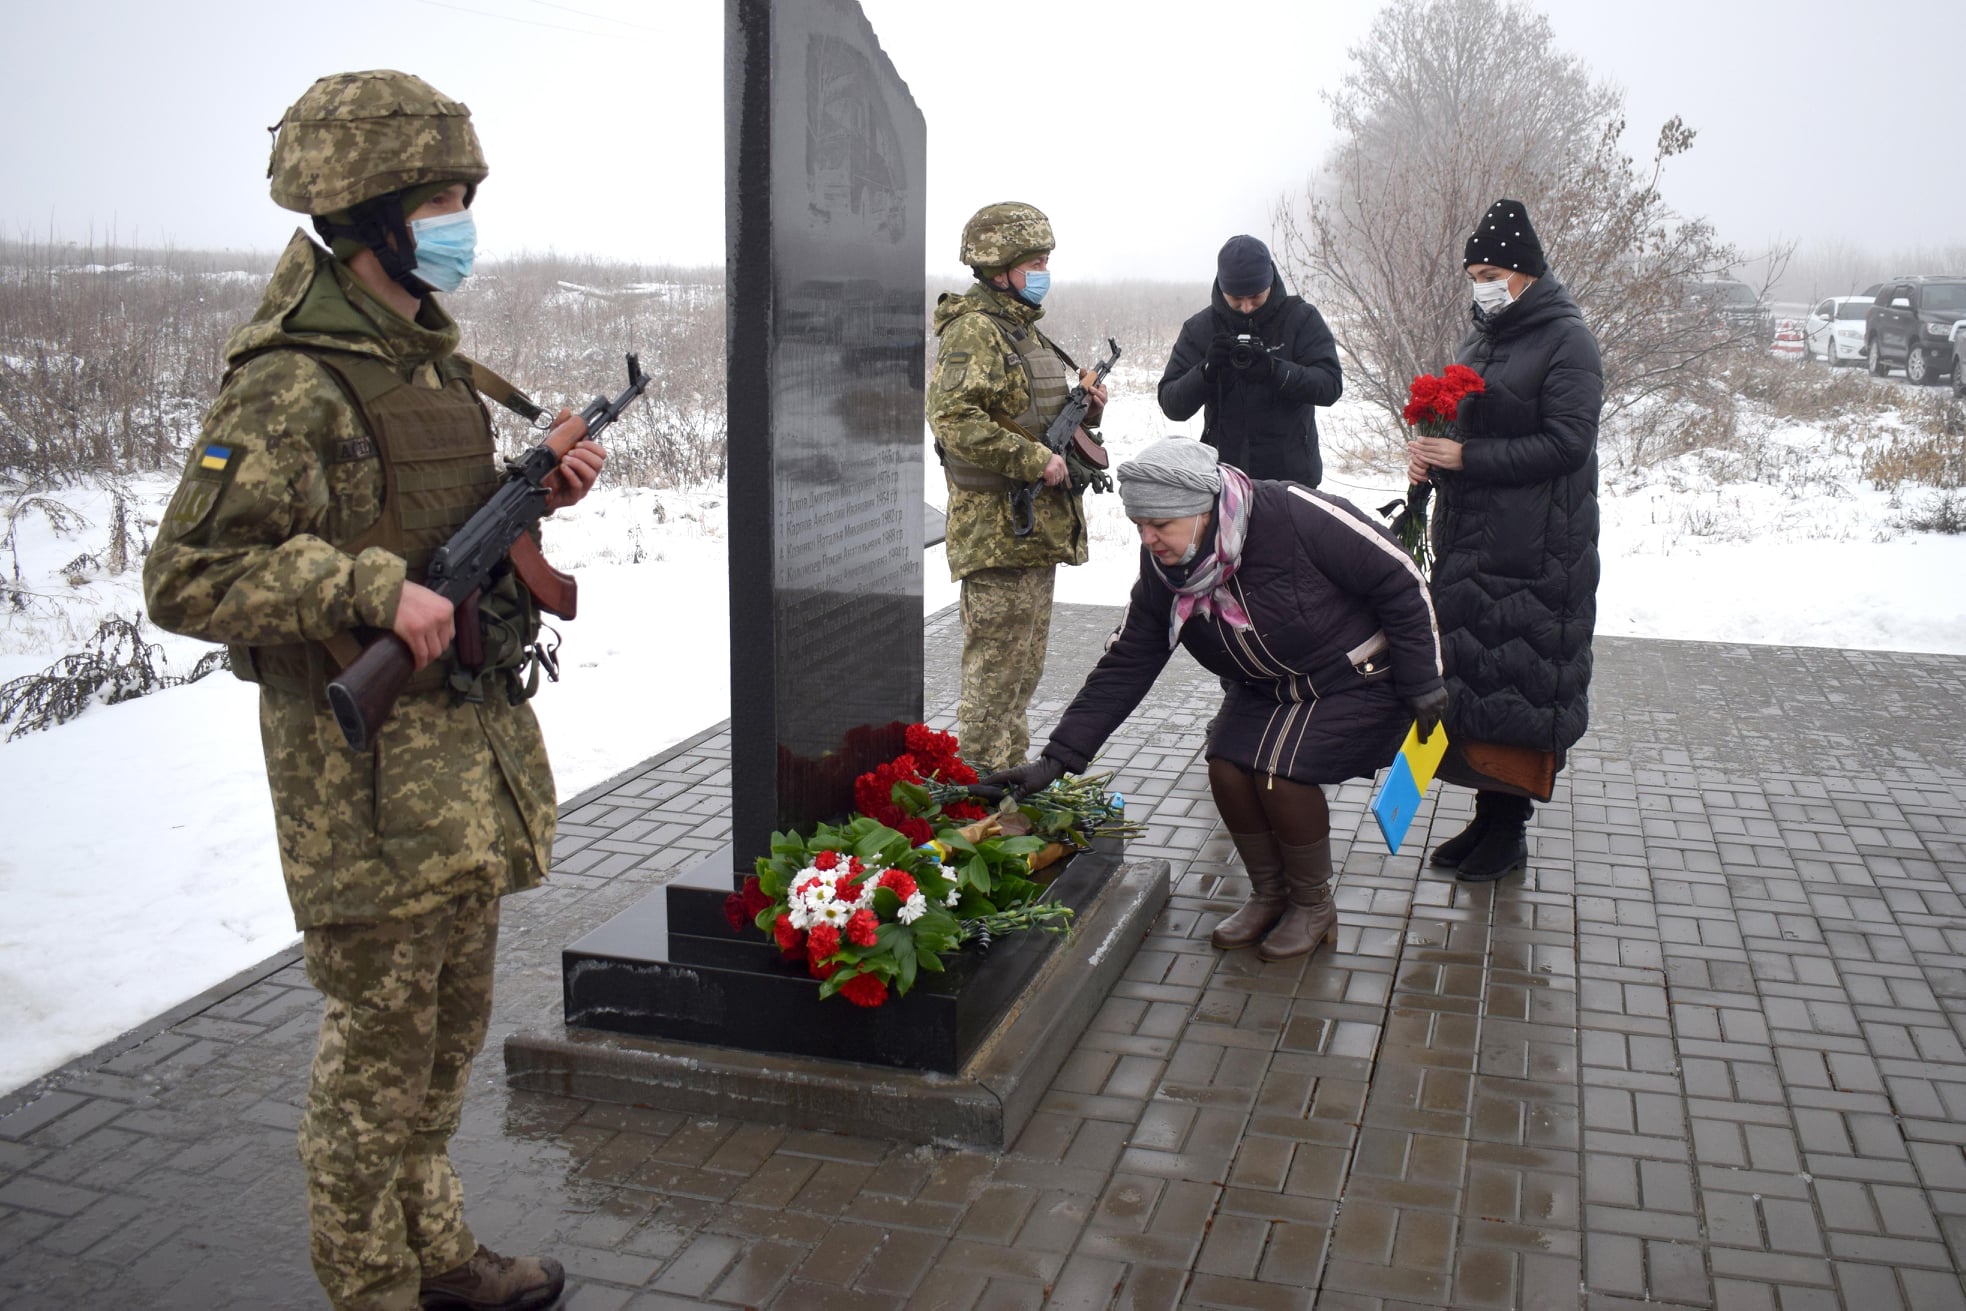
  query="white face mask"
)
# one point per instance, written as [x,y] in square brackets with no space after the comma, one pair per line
[1493,297]
[1194,546]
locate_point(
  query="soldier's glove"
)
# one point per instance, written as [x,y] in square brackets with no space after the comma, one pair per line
[1427,709]
[1215,365]
[1024,780]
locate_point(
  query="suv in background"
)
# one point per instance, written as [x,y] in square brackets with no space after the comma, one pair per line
[1911,325]
[1732,305]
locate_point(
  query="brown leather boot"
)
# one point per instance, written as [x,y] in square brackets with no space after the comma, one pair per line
[1262,857]
[490,1282]
[1311,918]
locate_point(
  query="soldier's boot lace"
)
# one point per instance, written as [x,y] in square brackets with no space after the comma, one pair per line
[1262,857]
[490,1282]
[1311,918]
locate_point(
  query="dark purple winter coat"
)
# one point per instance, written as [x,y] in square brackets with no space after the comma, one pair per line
[1515,529]
[1342,634]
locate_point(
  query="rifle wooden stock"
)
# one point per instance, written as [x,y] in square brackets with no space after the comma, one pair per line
[556,592]
[362,695]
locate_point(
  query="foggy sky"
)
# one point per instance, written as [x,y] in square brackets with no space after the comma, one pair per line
[1160,129]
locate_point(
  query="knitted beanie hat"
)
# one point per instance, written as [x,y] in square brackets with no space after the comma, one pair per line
[1243,268]
[1175,476]
[1505,239]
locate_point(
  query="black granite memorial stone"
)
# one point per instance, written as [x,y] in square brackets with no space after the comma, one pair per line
[825,158]
[825,153]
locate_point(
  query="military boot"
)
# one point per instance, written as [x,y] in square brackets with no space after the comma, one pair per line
[1311,918]
[1262,857]
[490,1282]
[1503,848]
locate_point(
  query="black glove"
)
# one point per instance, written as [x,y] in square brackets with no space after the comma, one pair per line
[1262,368]
[1215,364]
[1025,779]
[1427,709]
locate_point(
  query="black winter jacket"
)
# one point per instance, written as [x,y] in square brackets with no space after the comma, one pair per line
[1342,634]
[1267,430]
[1515,528]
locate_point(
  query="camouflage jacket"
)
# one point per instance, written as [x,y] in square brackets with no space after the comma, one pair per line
[973,400]
[451,796]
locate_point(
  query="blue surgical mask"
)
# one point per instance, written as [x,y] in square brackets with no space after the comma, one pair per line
[446,247]
[1036,283]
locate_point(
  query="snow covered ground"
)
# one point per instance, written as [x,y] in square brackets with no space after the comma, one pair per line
[141,867]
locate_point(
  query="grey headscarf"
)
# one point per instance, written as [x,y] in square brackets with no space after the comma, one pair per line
[1175,476]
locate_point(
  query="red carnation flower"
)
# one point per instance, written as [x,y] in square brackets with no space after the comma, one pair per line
[864,990]
[853,866]
[965,811]
[821,942]
[734,912]
[915,830]
[860,927]
[900,883]
[826,860]
[790,940]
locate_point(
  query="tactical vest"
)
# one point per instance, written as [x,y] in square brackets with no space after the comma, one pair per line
[438,468]
[1048,374]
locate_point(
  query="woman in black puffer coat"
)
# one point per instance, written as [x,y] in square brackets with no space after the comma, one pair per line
[1515,528]
[1319,623]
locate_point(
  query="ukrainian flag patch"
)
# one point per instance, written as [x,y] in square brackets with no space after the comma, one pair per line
[215,458]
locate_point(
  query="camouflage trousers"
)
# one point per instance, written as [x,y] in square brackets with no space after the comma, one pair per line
[1006,617]
[408,1002]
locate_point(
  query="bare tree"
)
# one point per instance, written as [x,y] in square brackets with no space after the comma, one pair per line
[1450,104]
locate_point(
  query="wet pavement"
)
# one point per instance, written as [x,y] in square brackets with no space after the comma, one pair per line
[1708,1053]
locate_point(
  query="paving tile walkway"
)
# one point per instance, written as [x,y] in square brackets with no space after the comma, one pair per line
[1707,1054]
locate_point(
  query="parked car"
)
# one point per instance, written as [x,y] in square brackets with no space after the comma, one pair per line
[1834,329]
[1911,325]
[1733,306]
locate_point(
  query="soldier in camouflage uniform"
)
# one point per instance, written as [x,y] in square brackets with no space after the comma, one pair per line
[998,383]
[346,443]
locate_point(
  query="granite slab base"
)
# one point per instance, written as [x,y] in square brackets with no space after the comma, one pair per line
[984,1104]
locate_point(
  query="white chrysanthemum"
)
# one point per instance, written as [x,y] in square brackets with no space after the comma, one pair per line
[912,909]
[801,917]
[833,913]
[955,895]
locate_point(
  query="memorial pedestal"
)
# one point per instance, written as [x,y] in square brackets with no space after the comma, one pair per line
[998,1027]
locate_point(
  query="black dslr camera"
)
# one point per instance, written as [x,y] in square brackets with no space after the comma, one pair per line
[1247,351]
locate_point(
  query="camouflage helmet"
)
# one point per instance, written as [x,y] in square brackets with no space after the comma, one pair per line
[355,136]
[998,236]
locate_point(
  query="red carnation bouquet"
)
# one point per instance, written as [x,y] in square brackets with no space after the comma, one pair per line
[1431,403]
[921,869]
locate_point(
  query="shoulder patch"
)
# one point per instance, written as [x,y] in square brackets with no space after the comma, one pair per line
[211,469]
[951,367]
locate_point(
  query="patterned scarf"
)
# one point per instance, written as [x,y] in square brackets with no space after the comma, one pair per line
[1207,586]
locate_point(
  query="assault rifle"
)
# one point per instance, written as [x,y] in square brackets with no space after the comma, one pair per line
[363,694]
[1067,437]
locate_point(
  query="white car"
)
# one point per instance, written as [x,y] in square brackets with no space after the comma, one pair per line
[1834,330]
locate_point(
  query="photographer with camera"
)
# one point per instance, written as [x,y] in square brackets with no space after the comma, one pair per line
[1260,360]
